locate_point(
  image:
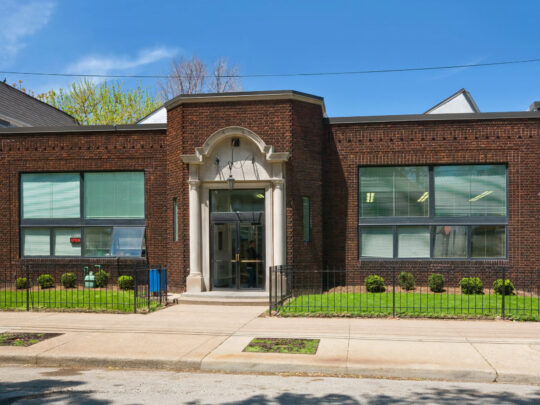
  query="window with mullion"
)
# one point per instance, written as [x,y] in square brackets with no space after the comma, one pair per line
[53,222]
[466,217]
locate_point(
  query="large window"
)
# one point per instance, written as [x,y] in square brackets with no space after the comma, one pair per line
[89,214]
[439,212]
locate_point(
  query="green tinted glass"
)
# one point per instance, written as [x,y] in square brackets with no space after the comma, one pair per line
[114,195]
[237,200]
[478,190]
[394,191]
[50,195]
[36,242]
[377,241]
[67,241]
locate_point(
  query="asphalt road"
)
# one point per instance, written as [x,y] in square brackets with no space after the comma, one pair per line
[29,385]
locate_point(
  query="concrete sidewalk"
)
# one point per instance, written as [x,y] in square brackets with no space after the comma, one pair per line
[192,337]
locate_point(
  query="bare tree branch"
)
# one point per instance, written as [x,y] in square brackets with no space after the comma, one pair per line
[190,76]
[224,80]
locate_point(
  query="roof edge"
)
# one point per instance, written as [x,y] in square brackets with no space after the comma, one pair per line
[43,102]
[83,128]
[463,91]
[245,96]
[435,117]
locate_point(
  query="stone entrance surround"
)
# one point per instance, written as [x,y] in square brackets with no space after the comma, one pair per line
[252,164]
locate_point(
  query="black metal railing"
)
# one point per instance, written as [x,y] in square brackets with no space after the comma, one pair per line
[118,286]
[452,292]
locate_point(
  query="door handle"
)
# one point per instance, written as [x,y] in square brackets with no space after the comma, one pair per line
[238,257]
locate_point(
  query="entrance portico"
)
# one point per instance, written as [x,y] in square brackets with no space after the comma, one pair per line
[238,159]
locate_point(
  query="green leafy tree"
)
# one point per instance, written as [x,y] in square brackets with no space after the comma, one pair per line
[106,103]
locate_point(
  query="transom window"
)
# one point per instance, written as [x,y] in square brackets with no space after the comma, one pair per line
[439,212]
[93,214]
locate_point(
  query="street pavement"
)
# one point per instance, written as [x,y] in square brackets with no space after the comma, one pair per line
[36,385]
[213,337]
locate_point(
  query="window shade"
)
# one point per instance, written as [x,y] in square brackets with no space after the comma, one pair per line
[413,241]
[36,242]
[50,195]
[114,195]
[377,241]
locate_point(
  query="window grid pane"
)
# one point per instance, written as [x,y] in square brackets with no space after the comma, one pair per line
[36,242]
[63,246]
[413,241]
[50,195]
[377,241]
[114,195]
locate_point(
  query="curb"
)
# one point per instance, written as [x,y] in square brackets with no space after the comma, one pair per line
[248,367]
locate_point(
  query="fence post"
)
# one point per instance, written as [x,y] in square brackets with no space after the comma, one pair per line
[27,288]
[503,289]
[270,291]
[148,286]
[393,292]
[135,292]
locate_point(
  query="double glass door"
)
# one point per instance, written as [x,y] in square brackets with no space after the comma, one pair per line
[237,255]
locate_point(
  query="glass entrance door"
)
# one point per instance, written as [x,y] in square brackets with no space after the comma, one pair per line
[237,255]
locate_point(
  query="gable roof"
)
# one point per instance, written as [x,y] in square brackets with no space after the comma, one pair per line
[22,110]
[459,102]
[158,116]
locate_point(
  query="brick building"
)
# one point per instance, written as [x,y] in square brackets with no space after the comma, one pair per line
[234,183]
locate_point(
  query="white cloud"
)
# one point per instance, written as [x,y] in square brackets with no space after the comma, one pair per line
[21,20]
[103,65]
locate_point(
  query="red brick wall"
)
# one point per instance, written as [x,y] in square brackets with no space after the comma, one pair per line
[86,151]
[288,126]
[513,142]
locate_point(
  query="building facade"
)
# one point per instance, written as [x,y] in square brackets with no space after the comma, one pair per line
[234,183]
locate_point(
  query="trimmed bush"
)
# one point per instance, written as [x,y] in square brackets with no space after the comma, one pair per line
[102,278]
[125,283]
[375,284]
[21,283]
[471,285]
[436,282]
[69,280]
[508,287]
[406,281]
[45,281]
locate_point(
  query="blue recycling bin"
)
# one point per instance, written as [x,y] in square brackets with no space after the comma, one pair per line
[157,280]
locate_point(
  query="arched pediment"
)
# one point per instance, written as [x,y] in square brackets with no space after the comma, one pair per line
[217,138]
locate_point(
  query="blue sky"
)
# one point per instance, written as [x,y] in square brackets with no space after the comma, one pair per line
[141,37]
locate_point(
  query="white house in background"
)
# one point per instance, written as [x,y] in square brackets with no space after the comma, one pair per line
[158,116]
[459,102]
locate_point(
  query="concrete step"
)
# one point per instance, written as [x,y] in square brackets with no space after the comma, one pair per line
[255,298]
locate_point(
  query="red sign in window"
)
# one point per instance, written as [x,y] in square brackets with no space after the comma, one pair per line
[75,240]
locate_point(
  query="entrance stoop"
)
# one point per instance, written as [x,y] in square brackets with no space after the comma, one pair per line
[251,298]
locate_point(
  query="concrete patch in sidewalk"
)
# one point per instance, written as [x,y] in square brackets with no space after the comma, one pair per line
[331,357]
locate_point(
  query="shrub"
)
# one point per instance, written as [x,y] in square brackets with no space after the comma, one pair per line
[68,280]
[436,282]
[45,281]
[102,278]
[508,287]
[21,283]
[406,281]
[375,284]
[471,285]
[125,283]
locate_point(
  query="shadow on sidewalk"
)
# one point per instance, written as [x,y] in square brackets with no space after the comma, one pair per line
[433,395]
[47,391]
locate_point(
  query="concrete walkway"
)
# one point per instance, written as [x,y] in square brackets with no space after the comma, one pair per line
[206,337]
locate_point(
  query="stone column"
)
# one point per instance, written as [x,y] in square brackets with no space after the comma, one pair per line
[194,282]
[279,223]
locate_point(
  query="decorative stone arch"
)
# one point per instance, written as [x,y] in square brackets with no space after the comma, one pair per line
[206,172]
[231,132]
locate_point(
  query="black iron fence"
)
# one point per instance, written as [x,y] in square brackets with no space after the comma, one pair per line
[446,292]
[110,286]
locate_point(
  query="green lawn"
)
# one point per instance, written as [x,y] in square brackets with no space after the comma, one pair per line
[412,305]
[85,299]
[283,345]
